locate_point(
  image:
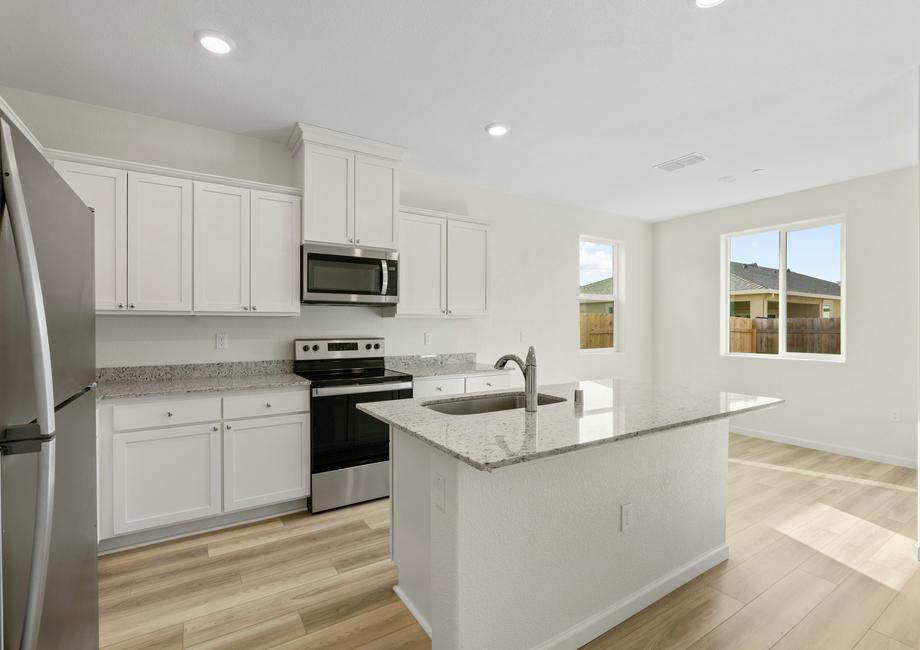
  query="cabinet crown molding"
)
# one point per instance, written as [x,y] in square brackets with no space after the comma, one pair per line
[303,132]
[425,212]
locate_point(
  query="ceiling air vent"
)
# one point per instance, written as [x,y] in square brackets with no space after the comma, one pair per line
[680,163]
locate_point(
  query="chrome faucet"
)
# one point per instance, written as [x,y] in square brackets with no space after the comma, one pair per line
[529,368]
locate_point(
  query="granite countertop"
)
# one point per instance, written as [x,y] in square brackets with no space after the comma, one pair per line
[613,410]
[145,381]
[442,365]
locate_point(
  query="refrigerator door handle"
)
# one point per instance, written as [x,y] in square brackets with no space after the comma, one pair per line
[44,388]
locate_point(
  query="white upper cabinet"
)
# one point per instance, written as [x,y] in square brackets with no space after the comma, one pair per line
[221,248]
[105,190]
[467,268]
[159,243]
[443,265]
[351,188]
[422,265]
[275,260]
[329,182]
[376,202]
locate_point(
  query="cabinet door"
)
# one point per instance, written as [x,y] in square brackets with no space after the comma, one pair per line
[105,190]
[435,387]
[467,268]
[376,198]
[329,181]
[164,476]
[422,265]
[275,246]
[266,460]
[221,248]
[159,243]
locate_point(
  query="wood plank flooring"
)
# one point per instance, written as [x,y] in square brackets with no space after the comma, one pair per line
[821,557]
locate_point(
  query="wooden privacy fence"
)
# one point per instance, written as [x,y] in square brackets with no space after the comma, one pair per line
[596,331]
[761,335]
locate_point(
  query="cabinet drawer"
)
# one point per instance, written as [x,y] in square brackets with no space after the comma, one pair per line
[437,387]
[166,413]
[248,406]
[487,382]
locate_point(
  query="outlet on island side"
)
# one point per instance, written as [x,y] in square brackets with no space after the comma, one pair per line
[894,415]
[627,517]
[221,341]
[427,338]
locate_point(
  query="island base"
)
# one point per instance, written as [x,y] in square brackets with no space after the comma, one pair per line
[536,555]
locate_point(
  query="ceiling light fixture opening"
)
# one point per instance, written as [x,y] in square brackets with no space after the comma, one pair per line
[708,4]
[214,42]
[497,130]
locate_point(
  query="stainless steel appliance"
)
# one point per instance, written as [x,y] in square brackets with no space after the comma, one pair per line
[350,449]
[356,276]
[47,403]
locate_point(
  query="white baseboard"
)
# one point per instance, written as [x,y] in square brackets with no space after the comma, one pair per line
[413,610]
[902,461]
[593,627]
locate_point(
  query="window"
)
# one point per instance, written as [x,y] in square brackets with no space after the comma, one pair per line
[796,313]
[597,293]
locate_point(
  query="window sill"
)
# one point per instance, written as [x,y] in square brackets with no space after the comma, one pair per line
[597,351]
[820,358]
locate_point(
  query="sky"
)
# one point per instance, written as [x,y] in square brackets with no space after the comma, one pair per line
[596,262]
[814,252]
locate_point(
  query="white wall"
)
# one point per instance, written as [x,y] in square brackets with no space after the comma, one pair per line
[839,407]
[534,272]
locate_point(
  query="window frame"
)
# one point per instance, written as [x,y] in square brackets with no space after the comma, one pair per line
[616,297]
[725,290]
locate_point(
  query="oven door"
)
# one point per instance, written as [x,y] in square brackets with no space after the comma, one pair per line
[349,275]
[341,435]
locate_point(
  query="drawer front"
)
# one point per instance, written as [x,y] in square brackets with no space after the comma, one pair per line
[487,382]
[166,413]
[248,406]
[437,387]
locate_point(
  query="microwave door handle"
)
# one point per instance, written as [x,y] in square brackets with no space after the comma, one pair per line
[44,388]
[386,277]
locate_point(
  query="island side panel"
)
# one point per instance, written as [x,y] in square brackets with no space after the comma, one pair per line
[410,522]
[542,539]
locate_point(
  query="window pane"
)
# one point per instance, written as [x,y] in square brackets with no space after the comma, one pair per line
[813,316]
[596,288]
[754,283]
[596,324]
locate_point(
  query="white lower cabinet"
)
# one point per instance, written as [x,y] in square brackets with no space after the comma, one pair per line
[266,460]
[169,460]
[165,476]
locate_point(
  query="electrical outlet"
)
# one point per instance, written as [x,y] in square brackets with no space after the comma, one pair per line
[894,415]
[221,341]
[439,492]
[427,338]
[627,517]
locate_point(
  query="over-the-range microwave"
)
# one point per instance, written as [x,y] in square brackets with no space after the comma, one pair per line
[347,275]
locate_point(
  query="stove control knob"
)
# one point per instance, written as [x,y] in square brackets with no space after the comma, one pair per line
[316,348]
[306,348]
[376,346]
[367,347]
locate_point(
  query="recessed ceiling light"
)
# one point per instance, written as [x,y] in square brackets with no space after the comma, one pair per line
[726,179]
[497,130]
[759,170]
[214,42]
[708,4]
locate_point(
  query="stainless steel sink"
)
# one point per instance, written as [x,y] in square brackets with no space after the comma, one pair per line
[488,403]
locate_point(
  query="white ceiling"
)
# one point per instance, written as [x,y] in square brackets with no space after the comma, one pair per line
[595,91]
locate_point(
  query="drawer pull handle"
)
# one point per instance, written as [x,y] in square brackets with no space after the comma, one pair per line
[438,388]
[215,428]
[169,414]
[229,427]
[268,404]
[489,384]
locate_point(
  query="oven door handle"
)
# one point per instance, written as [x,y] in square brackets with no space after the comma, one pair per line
[356,390]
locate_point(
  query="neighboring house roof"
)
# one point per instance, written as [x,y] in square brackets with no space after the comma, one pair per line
[601,287]
[751,277]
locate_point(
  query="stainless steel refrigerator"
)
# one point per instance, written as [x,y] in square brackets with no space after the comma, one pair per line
[47,403]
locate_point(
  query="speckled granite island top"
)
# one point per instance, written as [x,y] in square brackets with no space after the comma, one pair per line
[613,410]
[442,366]
[145,381]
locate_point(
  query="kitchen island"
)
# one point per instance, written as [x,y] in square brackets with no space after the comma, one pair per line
[544,530]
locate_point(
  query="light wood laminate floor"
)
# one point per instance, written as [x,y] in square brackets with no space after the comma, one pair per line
[821,557]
